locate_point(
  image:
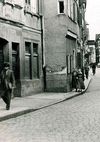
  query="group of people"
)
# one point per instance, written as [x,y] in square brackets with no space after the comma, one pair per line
[77,80]
[78,76]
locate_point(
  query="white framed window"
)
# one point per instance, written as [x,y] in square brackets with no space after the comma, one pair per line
[28,2]
[72,9]
[34,6]
[69,11]
[61,6]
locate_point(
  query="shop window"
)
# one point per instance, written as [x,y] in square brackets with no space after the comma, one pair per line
[35,61]
[61,6]
[27,60]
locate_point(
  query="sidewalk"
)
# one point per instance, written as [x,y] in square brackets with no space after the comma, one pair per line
[20,106]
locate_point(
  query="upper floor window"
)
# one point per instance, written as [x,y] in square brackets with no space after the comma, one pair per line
[34,6]
[72,10]
[27,2]
[31,6]
[60,6]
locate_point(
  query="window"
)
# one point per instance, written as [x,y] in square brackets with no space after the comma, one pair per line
[28,60]
[34,6]
[61,6]
[27,2]
[72,10]
[31,60]
[35,61]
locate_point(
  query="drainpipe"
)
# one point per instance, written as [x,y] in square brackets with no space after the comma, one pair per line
[43,51]
[41,13]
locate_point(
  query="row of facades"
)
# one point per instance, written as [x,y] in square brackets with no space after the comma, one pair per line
[44,40]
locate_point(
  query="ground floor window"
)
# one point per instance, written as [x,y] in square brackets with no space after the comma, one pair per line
[31,60]
[28,60]
[35,61]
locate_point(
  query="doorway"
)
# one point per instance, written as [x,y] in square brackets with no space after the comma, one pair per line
[3,52]
[1,58]
[15,60]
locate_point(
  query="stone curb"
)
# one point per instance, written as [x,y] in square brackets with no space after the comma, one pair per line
[16,114]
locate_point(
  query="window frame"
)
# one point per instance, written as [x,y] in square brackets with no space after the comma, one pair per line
[28,54]
[28,2]
[72,10]
[34,60]
[36,55]
[59,1]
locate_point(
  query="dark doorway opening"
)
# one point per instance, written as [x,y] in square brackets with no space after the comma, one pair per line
[15,60]
[3,52]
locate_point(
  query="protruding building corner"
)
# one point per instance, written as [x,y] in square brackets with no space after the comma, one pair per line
[64,42]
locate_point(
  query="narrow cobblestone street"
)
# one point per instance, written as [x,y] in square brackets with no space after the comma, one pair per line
[75,120]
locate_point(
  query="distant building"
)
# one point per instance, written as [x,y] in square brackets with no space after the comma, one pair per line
[91,47]
[97,40]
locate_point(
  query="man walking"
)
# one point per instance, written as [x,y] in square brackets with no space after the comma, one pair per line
[7,84]
[86,70]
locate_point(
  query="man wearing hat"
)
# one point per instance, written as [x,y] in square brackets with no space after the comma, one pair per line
[7,84]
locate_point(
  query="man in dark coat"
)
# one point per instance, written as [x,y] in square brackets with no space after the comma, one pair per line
[93,68]
[7,84]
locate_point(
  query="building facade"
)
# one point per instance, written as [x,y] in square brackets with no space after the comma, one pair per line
[20,43]
[63,20]
[97,40]
[91,46]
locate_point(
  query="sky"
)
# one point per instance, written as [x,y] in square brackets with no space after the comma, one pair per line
[93,17]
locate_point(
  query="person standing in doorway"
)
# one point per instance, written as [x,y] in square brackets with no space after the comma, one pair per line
[7,84]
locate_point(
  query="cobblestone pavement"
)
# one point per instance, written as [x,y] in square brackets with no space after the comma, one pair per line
[76,120]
